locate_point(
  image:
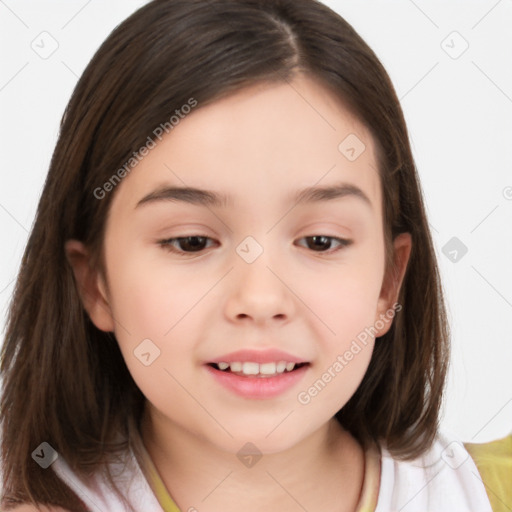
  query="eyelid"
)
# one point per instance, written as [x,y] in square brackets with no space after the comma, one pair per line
[181,237]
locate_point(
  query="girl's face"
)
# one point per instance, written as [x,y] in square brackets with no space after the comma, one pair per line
[278,252]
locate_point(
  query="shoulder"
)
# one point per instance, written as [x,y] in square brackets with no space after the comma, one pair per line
[444,477]
[494,462]
[496,454]
[131,489]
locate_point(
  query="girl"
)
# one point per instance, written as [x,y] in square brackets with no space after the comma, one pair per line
[230,296]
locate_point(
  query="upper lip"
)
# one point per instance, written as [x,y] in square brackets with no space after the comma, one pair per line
[258,356]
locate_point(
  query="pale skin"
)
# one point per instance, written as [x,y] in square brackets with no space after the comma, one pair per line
[259,147]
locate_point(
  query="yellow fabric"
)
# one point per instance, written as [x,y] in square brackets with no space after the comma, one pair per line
[156,483]
[371,480]
[494,463]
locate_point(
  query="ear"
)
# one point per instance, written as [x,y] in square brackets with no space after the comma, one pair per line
[392,283]
[90,285]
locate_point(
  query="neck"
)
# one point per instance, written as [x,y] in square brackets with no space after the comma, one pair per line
[322,472]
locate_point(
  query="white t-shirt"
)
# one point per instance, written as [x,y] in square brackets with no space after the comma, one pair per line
[445,479]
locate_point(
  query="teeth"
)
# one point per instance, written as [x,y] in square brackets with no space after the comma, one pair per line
[267,368]
[251,368]
[281,367]
[236,367]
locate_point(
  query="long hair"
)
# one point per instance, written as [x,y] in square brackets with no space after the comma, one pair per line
[64,381]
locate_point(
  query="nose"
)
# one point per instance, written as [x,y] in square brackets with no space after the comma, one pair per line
[259,292]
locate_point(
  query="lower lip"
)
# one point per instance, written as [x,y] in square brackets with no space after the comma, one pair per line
[258,387]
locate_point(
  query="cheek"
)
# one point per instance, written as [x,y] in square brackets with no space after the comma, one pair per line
[345,299]
[336,382]
[150,296]
[345,296]
[150,304]
[343,358]
[152,300]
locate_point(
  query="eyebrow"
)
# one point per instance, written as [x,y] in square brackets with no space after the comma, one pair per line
[203,197]
[185,194]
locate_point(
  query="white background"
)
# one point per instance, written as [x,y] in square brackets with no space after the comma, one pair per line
[459,115]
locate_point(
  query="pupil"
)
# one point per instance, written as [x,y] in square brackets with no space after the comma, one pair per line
[323,241]
[195,242]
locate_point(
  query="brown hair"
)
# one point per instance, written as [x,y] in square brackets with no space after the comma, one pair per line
[64,380]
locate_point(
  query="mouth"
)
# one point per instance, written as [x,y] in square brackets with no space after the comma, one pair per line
[258,374]
[257,370]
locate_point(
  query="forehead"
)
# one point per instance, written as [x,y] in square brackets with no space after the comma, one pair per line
[259,144]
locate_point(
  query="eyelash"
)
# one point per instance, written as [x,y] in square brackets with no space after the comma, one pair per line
[168,244]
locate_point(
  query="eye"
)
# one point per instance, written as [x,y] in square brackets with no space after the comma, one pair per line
[185,244]
[323,243]
[196,243]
